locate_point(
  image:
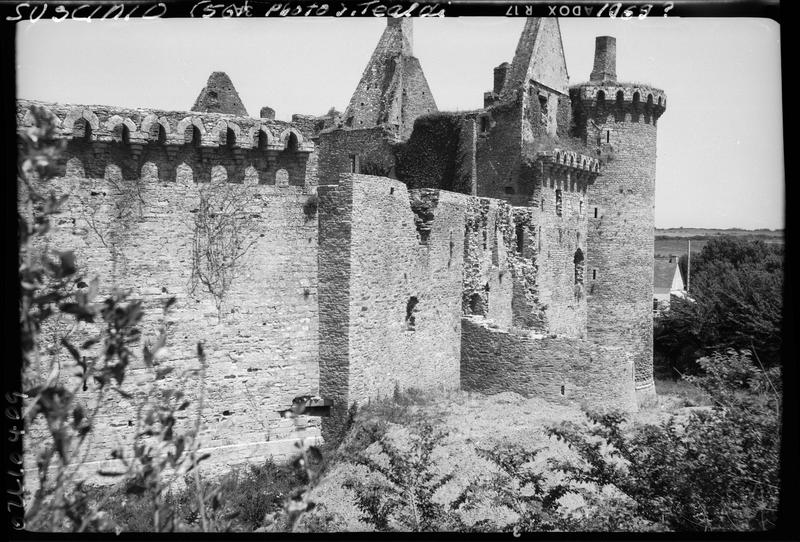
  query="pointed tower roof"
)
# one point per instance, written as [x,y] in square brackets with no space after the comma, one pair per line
[219,96]
[539,57]
[393,90]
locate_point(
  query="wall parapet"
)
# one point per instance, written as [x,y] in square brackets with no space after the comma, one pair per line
[630,93]
[620,100]
[137,127]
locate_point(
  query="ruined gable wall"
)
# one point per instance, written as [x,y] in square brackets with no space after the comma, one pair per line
[381,246]
[557,369]
[134,231]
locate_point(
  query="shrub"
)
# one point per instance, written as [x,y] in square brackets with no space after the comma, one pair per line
[715,469]
[736,302]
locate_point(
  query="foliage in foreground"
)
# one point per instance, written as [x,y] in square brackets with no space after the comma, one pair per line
[710,468]
[245,497]
[716,469]
[736,302]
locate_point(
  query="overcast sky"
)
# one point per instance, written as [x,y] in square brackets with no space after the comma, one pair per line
[720,142]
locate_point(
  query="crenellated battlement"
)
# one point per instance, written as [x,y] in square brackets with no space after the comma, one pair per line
[619,98]
[171,129]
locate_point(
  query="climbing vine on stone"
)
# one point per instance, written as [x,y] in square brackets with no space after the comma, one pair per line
[222,233]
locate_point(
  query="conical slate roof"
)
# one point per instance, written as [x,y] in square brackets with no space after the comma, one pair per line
[219,96]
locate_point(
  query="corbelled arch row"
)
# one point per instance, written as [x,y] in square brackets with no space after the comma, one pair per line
[268,147]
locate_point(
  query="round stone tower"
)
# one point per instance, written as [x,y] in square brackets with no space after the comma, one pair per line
[619,120]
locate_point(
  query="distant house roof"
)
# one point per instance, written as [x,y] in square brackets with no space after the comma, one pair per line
[664,275]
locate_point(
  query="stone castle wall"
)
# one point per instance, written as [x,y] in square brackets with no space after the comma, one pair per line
[129,221]
[498,152]
[557,369]
[489,276]
[621,219]
[390,298]
[559,235]
[367,151]
[440,279]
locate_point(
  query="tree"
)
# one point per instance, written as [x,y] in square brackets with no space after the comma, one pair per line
[735,301]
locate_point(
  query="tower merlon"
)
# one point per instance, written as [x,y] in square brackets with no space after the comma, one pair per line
[642,98]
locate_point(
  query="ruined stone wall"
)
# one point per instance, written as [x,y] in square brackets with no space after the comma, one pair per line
[129,219]
[489,279]
[371,149]
[556,369]
[558,238]
[404,305]
[498,156]
[439,154]
[619,268]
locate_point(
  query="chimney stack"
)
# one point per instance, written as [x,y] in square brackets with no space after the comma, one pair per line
[605,60]
[500,75]
[267,113]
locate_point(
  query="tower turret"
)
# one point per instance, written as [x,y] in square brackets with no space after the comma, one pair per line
[620,120]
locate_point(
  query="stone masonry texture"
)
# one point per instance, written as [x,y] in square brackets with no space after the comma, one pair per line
[622,120]
[220,96]
[505,248]
[557,369]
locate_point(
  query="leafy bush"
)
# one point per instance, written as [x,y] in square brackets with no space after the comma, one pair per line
[736,302]
[403,494]
[247,495]
[713,469]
